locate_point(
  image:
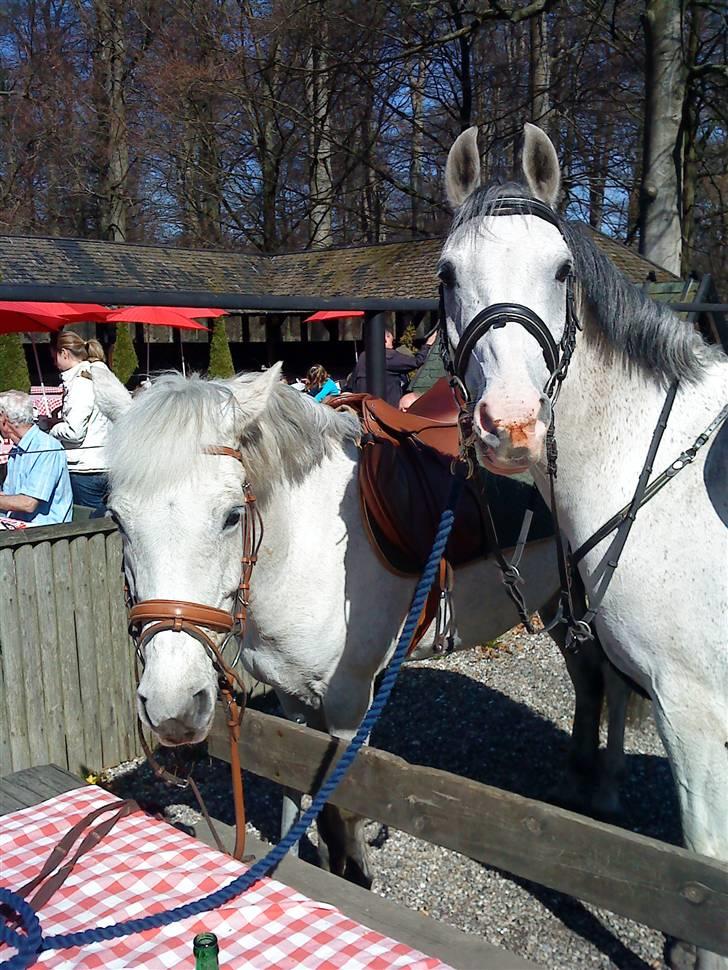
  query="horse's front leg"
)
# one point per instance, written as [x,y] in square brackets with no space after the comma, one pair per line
[343,847]
[585,672]
[342,843]
[291,801]
[607,802]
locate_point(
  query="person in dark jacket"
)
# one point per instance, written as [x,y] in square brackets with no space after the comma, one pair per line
[397,367]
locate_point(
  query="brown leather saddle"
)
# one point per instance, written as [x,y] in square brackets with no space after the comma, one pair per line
[404,483]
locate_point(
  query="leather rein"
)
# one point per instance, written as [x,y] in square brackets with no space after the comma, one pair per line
[557,361]
[147,618]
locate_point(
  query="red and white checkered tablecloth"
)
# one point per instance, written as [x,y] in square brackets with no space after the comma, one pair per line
[144,866]
[46,400]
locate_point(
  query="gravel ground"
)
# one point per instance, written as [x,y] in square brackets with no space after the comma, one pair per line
[512,707]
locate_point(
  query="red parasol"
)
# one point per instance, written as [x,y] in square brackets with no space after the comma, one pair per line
[57,313]
[332,315]
[156,316]
[198,312]
[25,323]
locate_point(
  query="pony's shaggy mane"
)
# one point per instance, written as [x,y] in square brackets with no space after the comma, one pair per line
[161,438]
[647,332]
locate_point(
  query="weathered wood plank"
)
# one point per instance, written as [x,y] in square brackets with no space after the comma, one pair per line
[69,679]
[86,647]
[54,533]
[11,638]
[122,654]
[6,764]
[32,656]
[657,884]
[103,647]
[52,707]
[33,785]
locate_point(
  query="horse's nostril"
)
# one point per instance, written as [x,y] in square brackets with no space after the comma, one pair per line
[201,700]
[486,421]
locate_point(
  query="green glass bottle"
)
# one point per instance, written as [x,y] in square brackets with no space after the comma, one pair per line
[206,950]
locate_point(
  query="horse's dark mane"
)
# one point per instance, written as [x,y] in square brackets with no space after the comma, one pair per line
[648,333]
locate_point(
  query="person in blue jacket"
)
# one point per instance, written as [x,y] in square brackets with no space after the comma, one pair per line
[319,384]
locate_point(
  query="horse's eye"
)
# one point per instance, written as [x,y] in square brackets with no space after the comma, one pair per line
[563,271]
[233,518]
[446,273]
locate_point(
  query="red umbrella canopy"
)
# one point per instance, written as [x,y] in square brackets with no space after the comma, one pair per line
[15,321]
[332,315]
[198,312]
[25,315]
[156,316]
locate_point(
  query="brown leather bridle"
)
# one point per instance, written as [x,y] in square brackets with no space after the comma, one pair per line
[147,618]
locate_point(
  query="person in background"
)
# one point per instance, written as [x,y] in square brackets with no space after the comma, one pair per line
[397,367]
[83,428]
[37,488]
[319,384]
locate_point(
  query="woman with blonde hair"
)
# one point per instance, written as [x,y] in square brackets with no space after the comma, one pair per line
[83,428]
[319,384]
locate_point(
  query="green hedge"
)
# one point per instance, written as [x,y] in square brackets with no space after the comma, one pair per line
[14,374]
[125,357]
[221,361]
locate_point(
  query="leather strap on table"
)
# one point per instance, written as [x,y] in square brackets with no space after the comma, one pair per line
[53,874]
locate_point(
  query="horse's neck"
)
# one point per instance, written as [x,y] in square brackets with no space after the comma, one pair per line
[604,420]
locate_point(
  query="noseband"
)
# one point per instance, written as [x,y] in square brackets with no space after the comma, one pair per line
[147,618]
[496,315]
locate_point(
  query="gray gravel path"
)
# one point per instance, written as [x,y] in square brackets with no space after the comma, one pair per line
[501,717]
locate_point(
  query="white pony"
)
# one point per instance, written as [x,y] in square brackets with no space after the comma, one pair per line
[325,613]
[664,617]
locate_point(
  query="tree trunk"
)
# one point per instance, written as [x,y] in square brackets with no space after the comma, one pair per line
[319,146]
[111,54]
[691,112]
[540,75]
[417,98]
[660,197]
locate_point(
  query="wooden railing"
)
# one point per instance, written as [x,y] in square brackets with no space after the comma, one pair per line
[657,884]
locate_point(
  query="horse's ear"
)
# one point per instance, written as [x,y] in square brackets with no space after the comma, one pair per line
[253,391]
[112,398]
[462,171]
[541,165]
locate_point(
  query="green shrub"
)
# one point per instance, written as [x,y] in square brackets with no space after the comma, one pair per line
[14,374]
[125,357]
[221,361]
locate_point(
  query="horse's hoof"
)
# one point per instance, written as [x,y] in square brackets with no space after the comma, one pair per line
[680,955]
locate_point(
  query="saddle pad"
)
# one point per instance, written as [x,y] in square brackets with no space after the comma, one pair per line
[146,866]
[405,478]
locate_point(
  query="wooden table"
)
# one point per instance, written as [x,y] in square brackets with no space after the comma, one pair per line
[25,788]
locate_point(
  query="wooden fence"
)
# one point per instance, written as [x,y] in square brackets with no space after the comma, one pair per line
[66,661]
[660,885]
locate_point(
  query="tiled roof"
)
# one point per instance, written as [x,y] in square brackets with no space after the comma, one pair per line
[402,270]
[88,262]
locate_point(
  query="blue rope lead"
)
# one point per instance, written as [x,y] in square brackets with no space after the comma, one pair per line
[263,866]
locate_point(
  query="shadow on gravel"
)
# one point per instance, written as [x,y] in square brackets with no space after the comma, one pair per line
[576,917]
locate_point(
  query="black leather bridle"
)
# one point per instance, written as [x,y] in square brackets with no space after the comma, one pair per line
[557,357]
